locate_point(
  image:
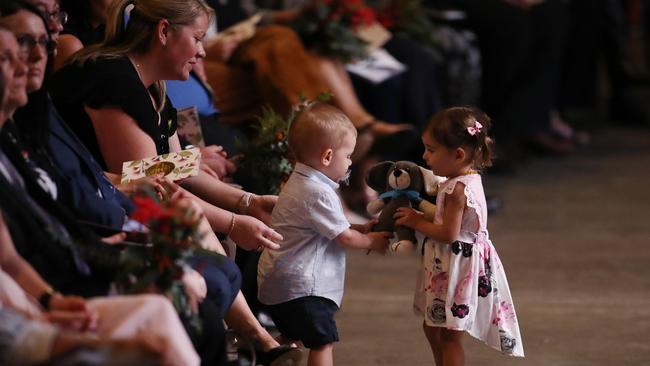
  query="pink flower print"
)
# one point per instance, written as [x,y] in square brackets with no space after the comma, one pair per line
[439,284]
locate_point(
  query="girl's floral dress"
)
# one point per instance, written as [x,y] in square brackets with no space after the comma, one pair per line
[463,285]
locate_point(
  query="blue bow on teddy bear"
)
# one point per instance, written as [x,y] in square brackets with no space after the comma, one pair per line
[401,184]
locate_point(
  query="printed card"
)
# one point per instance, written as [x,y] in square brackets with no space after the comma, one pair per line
[189,126]
[175,166]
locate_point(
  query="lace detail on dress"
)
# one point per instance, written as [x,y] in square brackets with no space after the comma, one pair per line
[471,200]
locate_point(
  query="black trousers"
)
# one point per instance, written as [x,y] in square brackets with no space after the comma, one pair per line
[522,53]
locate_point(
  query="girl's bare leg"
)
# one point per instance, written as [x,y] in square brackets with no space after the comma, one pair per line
[433,336]
[453,353]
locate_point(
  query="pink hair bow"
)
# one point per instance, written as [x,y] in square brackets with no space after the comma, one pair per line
[473,130]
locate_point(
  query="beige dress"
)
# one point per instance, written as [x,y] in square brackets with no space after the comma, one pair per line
[120,317]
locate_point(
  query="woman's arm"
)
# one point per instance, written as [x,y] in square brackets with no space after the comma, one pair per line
[214,191]
[17,267]
[120,138]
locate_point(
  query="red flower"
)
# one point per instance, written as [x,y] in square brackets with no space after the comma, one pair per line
[147,210]
[363,16]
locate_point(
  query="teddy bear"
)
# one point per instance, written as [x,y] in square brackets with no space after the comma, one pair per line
[401,184]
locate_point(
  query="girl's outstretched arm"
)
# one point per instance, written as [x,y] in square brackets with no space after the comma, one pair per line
[448,231]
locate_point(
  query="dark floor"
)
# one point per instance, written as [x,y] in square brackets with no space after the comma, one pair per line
[574,236]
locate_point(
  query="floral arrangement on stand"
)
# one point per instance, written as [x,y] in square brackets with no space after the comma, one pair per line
[408,17]
[267,156]
[158,265]
[328,27]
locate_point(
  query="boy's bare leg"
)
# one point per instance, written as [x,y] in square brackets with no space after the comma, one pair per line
[322,356]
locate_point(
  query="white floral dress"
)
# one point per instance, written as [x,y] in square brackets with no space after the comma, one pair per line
[463,286]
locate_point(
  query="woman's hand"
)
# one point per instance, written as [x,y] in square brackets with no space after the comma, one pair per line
[262,206]
[252,234]
[408,217]
[216,158]
[195,288]
[161,185]
[71,312]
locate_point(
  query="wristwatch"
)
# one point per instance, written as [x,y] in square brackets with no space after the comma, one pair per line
[45,298]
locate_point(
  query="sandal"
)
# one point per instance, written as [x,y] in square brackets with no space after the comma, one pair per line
[283,355]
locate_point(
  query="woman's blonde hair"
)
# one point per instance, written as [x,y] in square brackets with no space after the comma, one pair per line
[134,35]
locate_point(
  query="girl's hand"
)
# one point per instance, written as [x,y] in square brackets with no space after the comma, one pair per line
[252,234]
[408,217]
[262,206]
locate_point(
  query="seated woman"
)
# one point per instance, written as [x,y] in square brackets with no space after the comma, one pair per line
[222,279]
[113,97]
[140,323]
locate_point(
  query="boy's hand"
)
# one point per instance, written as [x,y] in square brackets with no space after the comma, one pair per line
[379,241]
[407,217]
[365,228]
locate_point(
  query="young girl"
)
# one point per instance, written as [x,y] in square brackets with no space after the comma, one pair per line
[462,285]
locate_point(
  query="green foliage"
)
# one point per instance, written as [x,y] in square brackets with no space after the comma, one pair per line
[266,157]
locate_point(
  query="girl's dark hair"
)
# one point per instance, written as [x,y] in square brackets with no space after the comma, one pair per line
[451,127]
[32,119]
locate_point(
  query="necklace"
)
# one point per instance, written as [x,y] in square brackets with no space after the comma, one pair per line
[137,67]
[470,172]
[153,100]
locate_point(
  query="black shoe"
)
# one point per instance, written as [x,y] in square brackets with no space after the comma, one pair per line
[284,355]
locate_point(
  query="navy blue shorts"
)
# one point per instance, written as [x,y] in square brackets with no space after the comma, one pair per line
[307,319]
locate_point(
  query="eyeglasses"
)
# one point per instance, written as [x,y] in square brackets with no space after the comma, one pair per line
[27,44]
[58,16]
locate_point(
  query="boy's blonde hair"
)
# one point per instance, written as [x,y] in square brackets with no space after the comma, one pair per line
[318,126]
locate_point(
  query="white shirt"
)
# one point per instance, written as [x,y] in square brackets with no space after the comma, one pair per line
[309,215]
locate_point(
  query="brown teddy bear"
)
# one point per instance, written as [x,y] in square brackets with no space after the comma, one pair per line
[401,184]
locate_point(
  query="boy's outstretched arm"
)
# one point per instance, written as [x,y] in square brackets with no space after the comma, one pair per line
[374,241]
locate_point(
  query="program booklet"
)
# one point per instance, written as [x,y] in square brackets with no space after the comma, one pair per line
[175,166]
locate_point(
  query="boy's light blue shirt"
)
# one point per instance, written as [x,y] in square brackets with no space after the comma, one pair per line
[309,215]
